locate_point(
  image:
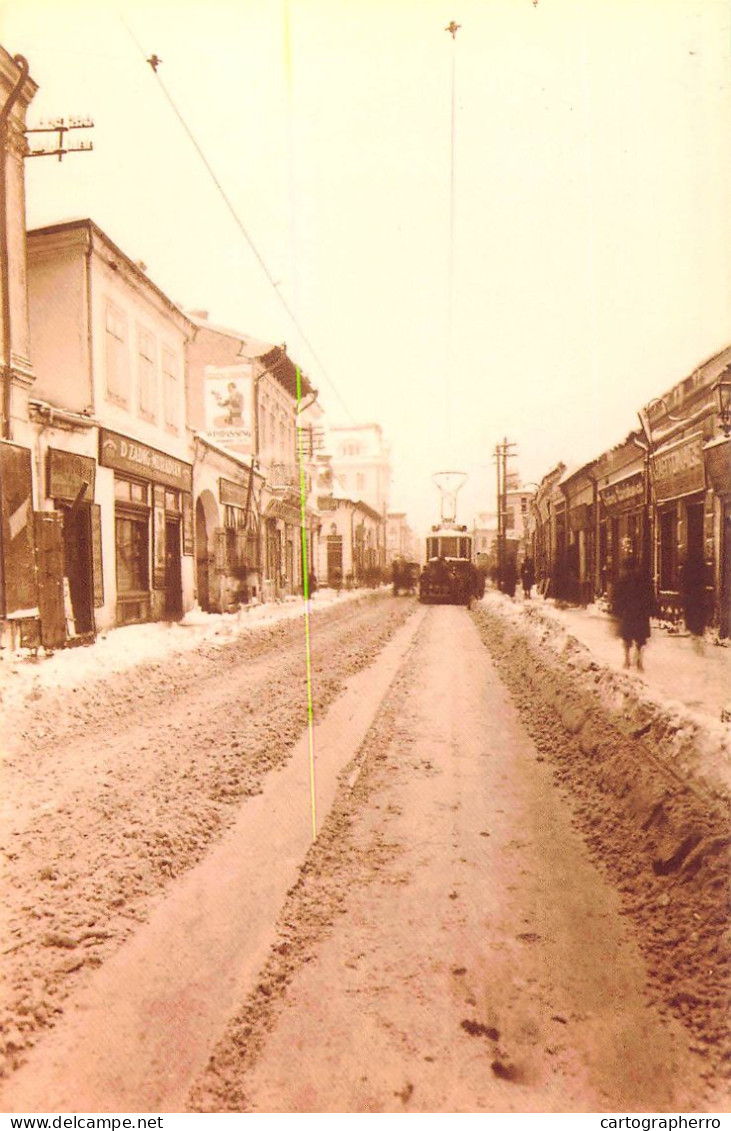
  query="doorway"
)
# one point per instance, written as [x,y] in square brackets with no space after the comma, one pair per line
[202,560]
[78,567]
[694,519]
[173,570]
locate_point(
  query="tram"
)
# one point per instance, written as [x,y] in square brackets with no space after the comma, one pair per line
[450,575]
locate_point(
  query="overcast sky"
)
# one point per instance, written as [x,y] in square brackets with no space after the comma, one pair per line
[589,262]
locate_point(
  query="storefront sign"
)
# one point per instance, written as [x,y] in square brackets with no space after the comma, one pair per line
[229,406]
[68,473]
[287,512]
[679,470]
[625,494]
[134,458]
[232,494]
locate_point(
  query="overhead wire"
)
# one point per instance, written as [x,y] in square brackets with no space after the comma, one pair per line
[453,28]
[237,219]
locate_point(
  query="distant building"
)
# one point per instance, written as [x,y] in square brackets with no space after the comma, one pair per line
[242,406]
[484,541]
[361,461]
[400,541]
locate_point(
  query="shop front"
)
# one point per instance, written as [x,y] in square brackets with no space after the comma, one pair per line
[71,486]
[153,528]
[622,525]
[683,522]
[282,545]
[579,489]
[717,455]
[238,574]
[18,587]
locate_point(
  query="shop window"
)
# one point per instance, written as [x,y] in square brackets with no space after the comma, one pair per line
[132,550]
[127,491]
[172,501]
[170,394]
[146,376]
[234,518]
[117,357]
[263,416]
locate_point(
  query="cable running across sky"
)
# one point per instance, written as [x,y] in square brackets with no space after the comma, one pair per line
[154,62]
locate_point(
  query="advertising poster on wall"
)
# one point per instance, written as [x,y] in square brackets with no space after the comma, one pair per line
[229,404]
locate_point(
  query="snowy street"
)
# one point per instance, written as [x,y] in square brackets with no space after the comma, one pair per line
[492,917]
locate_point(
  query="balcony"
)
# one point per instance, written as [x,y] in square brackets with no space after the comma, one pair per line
[281,476]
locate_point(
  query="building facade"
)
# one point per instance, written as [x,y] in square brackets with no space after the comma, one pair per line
[246,400]
[663,493]
[18,588]
[113,454]
[361,462]
[400,541]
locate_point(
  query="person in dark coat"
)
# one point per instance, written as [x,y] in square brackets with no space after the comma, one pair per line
[692,587]
[632,606]
[527,576]
[510,577]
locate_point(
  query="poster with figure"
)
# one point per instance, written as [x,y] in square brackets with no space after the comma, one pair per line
[229,397]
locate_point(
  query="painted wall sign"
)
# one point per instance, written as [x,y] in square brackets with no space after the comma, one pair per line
[679,469]
[67,474]
[229,406]
[232,494]
[624,494]
[125,454]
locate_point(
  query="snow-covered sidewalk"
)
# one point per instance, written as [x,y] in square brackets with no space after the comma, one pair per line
[24,677]
[674,672]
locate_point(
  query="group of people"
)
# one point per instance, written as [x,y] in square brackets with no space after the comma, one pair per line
[633,599]
[507,579]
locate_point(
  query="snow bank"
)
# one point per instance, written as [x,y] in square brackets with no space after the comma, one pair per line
[23,676]
[649,784]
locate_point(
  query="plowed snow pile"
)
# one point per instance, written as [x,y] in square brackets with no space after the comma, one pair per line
[112,786]
[652,790]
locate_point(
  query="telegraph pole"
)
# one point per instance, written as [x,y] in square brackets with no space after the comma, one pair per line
[502,452]
[60,127]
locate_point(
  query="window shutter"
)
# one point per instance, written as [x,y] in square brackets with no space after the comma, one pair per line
[96,554]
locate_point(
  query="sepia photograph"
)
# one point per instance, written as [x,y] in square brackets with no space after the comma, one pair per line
[365,561]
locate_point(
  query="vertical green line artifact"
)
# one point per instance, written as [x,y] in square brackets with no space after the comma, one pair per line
[306,591]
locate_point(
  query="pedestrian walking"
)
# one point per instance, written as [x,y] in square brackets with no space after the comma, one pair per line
[692,588]
[510,578]
[527,577]
[631,606]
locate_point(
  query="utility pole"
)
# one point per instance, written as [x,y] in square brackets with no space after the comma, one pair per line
[61,127]
[502,452]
